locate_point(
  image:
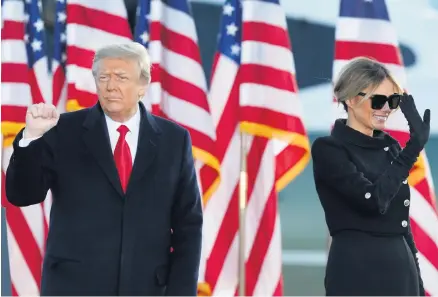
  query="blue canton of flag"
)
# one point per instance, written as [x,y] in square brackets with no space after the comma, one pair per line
[35,34]
[230,36]
[142,28]
[367,9]
[59,58]
[59,36]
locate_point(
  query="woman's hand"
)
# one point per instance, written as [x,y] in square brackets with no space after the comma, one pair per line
[419,128]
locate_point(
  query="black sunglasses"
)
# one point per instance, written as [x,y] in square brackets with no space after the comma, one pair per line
[378,101]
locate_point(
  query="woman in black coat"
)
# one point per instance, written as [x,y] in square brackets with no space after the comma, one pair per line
[361,176]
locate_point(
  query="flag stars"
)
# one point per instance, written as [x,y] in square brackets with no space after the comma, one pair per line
[39,25]
[26,38]
[36,45]
[232,29]
[64,57]
[60,1]
[235,49]
[62,17]
[144,37]
[63,37]
[228,9]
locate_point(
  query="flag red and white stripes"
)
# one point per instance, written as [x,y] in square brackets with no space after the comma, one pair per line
[24,81]
[91,24]
[16,95]
[364,29]
[178,89]
[253,89]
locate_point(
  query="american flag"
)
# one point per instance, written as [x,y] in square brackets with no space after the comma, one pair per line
[253,90]
[178,89]
[16,96]
[59,57]
[25,81]
[90,25]
[364,29]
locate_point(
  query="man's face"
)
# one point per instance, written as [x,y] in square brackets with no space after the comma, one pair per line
[119,87]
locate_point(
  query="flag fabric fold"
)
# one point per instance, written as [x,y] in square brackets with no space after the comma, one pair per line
[178,89]
[25,81]
[253,90]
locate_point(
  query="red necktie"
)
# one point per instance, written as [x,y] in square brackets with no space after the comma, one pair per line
[122,156]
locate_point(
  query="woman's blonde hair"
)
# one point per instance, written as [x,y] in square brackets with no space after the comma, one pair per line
[359,74]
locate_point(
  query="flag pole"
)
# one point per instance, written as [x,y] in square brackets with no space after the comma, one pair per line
[243,189]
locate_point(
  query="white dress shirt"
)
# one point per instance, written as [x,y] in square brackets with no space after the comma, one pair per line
[131,138]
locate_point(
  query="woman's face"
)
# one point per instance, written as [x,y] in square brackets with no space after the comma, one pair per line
[364,115]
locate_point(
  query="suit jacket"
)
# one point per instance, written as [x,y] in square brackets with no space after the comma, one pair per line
[362,185]
[102,241]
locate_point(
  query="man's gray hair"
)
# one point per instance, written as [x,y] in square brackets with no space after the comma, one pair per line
[359,74]
[132,50]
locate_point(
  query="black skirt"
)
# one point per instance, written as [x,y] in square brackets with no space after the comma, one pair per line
[363,264]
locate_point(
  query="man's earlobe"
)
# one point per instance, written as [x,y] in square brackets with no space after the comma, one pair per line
[142,92]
